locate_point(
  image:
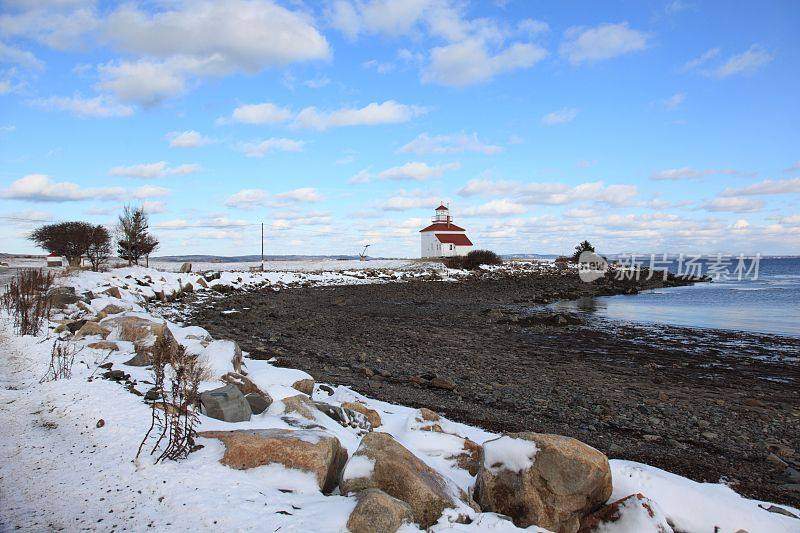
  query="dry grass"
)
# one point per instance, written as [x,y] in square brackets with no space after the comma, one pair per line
[26,298]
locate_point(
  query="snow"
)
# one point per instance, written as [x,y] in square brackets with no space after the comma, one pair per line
[358,466]
[58,470]
[508,453]
[693,506]
[218,357]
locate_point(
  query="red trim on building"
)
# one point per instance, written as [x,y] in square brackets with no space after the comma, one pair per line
[457,239]
[441,226]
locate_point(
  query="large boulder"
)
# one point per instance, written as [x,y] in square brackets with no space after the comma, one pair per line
[538,479]
[221,357]
[306,386]
[382,463]
[142,332]
[185,268]
[301,405]
[371,415]
[225,403]
[632,513]
[309,450]
[61,297]
[259,400]
[344,416]
[91,329]
[377,512]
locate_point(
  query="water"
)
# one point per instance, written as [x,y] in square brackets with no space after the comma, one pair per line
[769,304]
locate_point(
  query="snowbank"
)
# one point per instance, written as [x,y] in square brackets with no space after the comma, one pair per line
[62,468]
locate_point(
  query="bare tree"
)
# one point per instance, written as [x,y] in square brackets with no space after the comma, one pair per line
[69,239]
[99,247]
[133,239]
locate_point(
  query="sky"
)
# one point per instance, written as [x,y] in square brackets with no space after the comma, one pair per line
[642,126]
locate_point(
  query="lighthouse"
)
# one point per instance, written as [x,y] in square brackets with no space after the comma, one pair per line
[443,238]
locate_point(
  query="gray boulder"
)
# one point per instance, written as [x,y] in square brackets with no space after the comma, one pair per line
[258,404]
[61,297]
[186,268]
[225,403]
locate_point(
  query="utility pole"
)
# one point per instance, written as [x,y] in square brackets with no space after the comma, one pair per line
[262,247]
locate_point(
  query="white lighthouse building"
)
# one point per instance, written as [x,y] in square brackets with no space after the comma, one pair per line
[443,238]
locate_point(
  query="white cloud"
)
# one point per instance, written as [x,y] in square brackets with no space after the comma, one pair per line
[265,113]
[5,86]
[154,207]
[142,82]
[11,54]
[40,188]
[234,33]
[60,25]
[562,116]
[745,63]
[417,171]
[552,193]
[260,148]
[495,208]
[248,199]
[674,102]
[686,173]
[405,200]
[100,106]
[362,176]
[793,168]
[378,66]
[533,27]
[733,205]
[469,62]
[448,144]
[317,83]
[305,194]
[187,139]
[787,186]
[586,45]
[702,59]
[388,112]
[160,169]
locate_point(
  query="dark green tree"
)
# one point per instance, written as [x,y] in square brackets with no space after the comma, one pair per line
[585,246]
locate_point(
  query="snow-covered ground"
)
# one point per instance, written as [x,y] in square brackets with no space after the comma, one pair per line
[310,265]
[61,469]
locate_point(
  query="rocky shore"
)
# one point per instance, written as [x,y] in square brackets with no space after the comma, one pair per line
[709,405]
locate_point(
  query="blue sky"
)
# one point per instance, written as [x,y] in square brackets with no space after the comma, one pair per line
[667,126]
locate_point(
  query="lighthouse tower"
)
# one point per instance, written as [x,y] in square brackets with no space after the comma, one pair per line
[443,238]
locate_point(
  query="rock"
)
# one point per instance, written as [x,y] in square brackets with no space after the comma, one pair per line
[441,383]
[211,275]
[372,415]
[91,329]
[382,463]
[110,309]
[70,325]
[222,288]
[309,450]
[188,288]
[636,511]
[142,332]
[538,479]
[113,292]
[152,394]
[301,405]
[185,268]
[245,385]
[225,403]
[346,417]
[377,512]
[777,510]
[61,297]
[470,457]
[202,282]
[103,345]
[221,357]
[258,404]
[306,386]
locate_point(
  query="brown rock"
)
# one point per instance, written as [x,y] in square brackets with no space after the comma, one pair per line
[113,292]
[301,405]
[104,345]
[470,457]
[185,268]
[377,512]
[309,450]
[202,282]
[142,332]
[91,329]
[566,480]
[614,512]
[244,384]
[401,474]
[371,414]
[110,309]
[441,383]
[306,386]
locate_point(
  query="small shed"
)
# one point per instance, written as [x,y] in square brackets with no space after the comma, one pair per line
[55,260]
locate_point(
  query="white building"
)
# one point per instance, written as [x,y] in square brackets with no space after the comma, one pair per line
[443,238]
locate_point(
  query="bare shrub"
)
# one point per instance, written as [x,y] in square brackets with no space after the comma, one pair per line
[61,358]
[172,431]
[473,260]
[26,298]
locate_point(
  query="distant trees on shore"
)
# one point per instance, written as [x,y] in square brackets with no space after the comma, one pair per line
[76,239]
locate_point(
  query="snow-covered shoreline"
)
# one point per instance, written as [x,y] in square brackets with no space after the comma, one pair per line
[62,469]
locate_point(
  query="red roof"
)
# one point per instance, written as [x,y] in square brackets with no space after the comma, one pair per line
[458,239]
[442,208]
[442,226]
